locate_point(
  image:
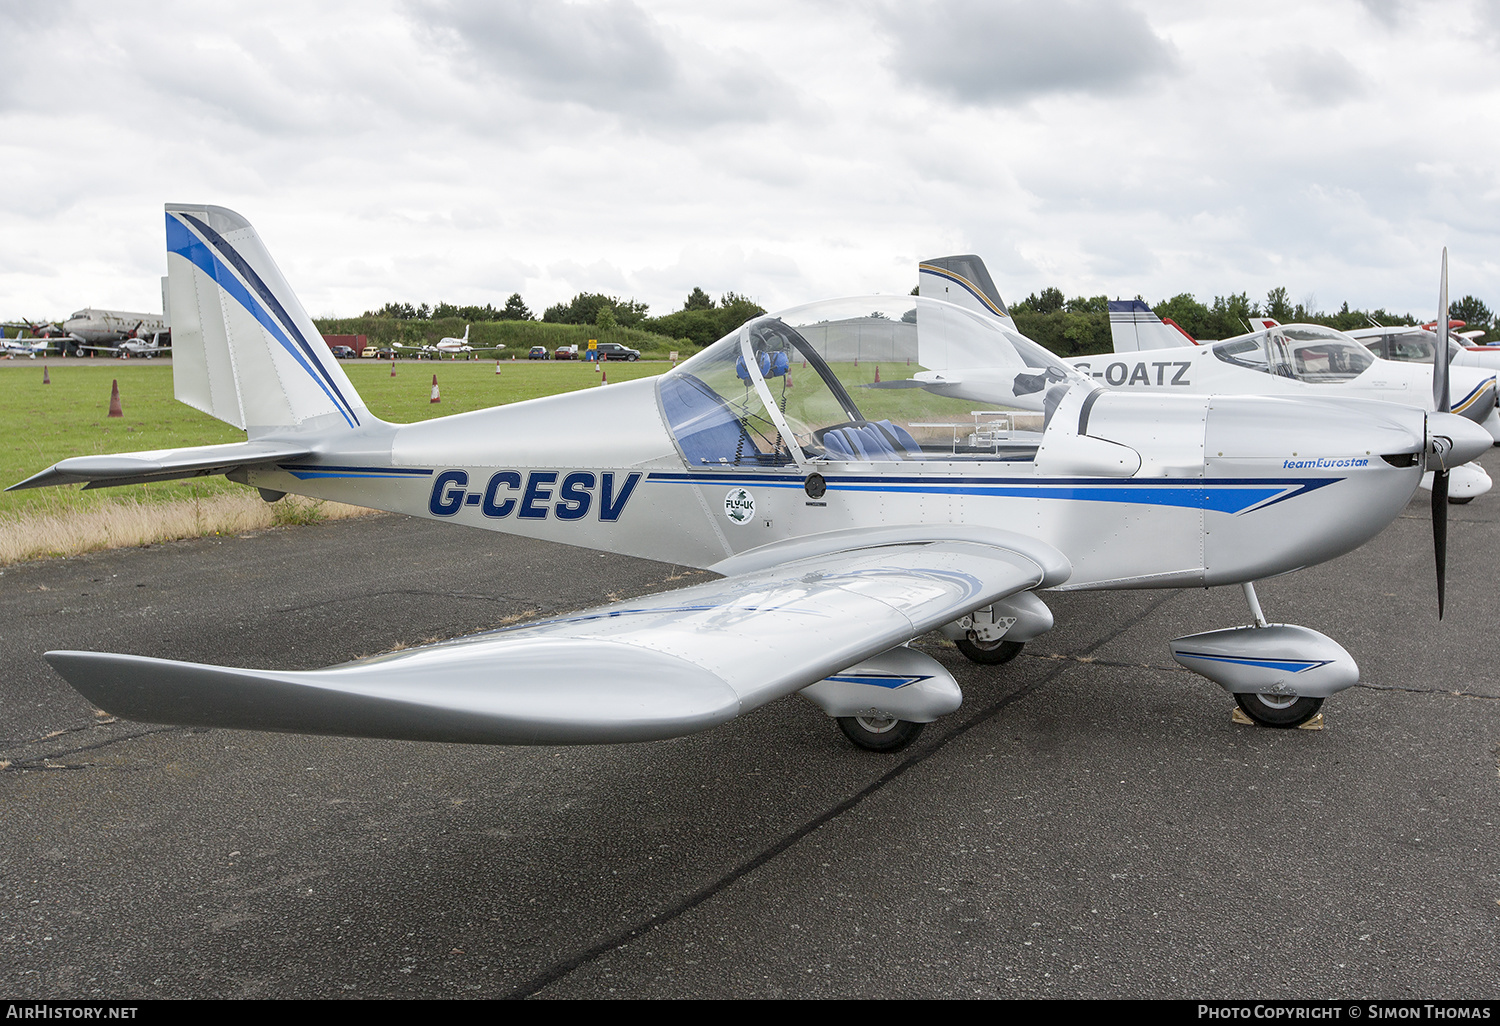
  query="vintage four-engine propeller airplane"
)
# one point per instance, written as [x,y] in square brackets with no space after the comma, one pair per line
[847,518]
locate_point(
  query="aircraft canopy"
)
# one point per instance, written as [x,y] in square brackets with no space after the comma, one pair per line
[862,379]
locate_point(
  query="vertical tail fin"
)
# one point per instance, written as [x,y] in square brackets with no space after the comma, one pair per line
[243,349]
[962,280]
[1134,327]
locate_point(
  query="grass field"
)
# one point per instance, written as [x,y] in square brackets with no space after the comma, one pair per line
[44,423]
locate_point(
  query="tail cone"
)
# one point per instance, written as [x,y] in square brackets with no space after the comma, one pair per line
[436,398]
[114,399]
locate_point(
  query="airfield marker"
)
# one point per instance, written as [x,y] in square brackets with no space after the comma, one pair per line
[114,399]
[435,397]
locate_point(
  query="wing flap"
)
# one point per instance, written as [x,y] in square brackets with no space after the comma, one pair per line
[656,667]
[161,464]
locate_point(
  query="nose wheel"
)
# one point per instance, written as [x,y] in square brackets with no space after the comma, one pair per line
[879,733]
[1278,710]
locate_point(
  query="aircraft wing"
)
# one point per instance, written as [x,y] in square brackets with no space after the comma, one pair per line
[162,464]
[650,668]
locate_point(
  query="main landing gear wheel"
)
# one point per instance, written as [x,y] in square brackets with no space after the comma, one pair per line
[880,733]
[1279,710]
[990,653]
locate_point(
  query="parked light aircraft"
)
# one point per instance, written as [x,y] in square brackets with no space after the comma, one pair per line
[451,346]
[1411,344]
[31,347]
[133,347]
[847,517]
[1289,359]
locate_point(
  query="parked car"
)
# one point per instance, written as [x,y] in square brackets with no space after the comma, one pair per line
[615,351]
[538,353]
[566,353]
[343,353]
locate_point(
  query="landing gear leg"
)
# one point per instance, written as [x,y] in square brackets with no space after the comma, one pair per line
[1274,710]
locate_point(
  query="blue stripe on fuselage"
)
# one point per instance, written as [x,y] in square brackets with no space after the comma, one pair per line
[1233,495]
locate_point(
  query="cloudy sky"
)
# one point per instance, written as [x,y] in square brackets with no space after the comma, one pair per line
[453,150]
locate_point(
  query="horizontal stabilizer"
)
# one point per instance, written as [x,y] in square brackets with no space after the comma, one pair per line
[655,667]
[128,468]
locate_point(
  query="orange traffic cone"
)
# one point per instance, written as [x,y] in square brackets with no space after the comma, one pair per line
[787,377]
[877,374]
[114,399]
[435,397]
[393,366]
[497,368]
[46,380]
[604,377]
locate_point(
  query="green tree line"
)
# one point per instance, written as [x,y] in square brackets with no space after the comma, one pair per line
[1080,326]
[701,321]
[1069,327]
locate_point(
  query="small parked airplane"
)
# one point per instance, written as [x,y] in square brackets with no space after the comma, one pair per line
[133,347]
[29,347]
[847,517]
[1291,359]
[452,346]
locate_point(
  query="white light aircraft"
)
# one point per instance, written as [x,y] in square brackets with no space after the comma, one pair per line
[1289,359]
[847,518]
[452,346]
[29,347]
[133,347]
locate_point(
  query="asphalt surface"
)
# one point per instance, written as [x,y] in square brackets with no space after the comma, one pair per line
[1090,824]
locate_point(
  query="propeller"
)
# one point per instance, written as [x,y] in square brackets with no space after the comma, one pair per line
[1442,402]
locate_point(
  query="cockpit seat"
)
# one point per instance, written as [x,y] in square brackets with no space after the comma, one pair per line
[876,441]
[705,427]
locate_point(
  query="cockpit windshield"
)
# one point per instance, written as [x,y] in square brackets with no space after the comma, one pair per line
[1306,352]
[1415,346]
[875,378]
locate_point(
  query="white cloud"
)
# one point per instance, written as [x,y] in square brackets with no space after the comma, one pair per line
[425,151]
[1005,51]
[1322,77]
[609,55]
